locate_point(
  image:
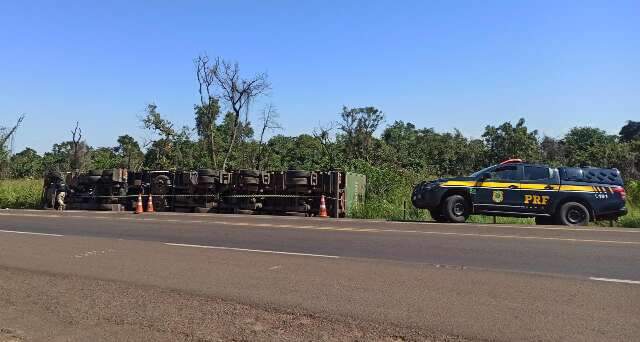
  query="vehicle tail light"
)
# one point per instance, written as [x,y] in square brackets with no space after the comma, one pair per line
[620,190]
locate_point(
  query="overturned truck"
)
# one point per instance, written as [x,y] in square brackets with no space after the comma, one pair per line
[210,191]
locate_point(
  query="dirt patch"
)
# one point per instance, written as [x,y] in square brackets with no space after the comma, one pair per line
[56,307]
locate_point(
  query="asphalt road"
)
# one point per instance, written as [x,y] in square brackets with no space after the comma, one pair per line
[582,252]
[408,280]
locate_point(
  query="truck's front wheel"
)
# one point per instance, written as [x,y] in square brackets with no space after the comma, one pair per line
[456,209]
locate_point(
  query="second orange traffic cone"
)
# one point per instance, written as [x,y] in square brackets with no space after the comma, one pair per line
[323,207]
[139,209]
[150,204]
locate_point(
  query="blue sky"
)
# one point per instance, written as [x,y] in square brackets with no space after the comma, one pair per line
[441,64]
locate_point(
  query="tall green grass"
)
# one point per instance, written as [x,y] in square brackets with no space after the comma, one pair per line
[632,219]
[20,193]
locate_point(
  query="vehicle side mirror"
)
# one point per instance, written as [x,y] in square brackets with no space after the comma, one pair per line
[485,175]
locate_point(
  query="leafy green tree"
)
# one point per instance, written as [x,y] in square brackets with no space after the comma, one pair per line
[26,164]
[357,126]
[205,117]
[590,146]
[129,151]
[303,152]
[507,141]
[104,158]
[162,154]
[402,138]
[630,131]
[553,151]
[241,155]
[59,159]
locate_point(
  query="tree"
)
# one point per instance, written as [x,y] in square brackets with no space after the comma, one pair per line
[208,110]
[302,152]
[588,146]
[206,117]
[5,135]
[238,93]
[59,159]
[129,151]
[358,126]
[26,164]
[403,139]
[269,121]
[507,141]
[330,148]
[553,151]
[79,149]
[162,153]
[630,131]
[104,158]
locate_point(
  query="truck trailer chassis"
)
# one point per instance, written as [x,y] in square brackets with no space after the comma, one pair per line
[292,192]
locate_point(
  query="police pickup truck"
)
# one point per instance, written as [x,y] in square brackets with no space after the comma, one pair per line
[565,195]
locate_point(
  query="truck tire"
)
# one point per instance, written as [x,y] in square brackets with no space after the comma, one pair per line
[573,214]
[456,209]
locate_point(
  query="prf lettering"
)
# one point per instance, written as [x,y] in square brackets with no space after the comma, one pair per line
[535,199]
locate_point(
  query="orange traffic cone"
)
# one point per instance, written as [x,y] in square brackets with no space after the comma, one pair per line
[323,207]
[150,204]
[139,209]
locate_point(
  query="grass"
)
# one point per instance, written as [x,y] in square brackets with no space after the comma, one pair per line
[20,193]
[632,219]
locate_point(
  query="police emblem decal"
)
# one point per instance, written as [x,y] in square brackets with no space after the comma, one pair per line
[498,196]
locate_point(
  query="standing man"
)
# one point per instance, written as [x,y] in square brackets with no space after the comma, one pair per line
[61,193]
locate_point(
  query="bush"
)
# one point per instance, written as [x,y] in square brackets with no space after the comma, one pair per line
[632,219]
[388,192]
[632,189]
[20,193]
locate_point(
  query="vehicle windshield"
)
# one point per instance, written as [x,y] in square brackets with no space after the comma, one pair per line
[478,173]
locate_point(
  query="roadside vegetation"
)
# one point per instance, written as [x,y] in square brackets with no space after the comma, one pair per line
[20,193]
[394,156]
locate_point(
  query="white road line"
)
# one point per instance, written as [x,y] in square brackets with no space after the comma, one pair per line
[610,280]
[252,250]
[29,233]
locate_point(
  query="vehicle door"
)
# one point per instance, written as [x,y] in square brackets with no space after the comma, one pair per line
[539,187]
[498,190]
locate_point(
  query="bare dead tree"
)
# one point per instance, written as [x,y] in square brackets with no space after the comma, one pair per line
[5,137]
[76,137]
[208,102]
[269,119]
[237,92]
